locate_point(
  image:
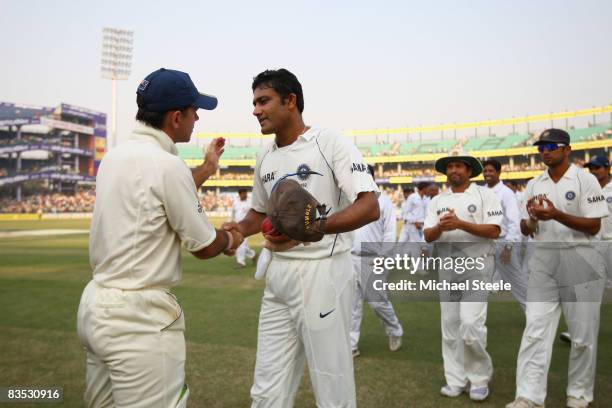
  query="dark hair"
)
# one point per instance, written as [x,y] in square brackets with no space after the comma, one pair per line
[512,182]
[408,190]
[422,185]
[283,82]
[153,119]
[492,162]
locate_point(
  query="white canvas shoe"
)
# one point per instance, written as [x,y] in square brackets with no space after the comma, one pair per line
[452,392]
[479,393]
[576,403]
[395,343]
[522,402]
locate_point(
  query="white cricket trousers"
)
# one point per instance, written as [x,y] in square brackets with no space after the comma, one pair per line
[409,233]
[243,251]
[135,347]
[305,316]
[384,310]
[464,332]
[512,272]
[547,269]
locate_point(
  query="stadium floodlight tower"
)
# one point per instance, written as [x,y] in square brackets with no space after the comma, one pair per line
[116,65]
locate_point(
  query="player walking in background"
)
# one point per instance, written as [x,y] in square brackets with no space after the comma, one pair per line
[514,186]
[464,221]
[599,166]
[372,235]
[240,209]
[407,192]
[432,191]
[146,205]
[413,214]
[507,255]
[563,212]
[306,307]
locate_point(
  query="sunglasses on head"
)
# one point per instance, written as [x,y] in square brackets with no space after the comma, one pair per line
[551,147]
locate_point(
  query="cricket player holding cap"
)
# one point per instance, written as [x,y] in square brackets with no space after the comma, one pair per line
[314,185]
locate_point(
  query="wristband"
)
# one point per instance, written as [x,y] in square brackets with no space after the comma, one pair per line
[230,241]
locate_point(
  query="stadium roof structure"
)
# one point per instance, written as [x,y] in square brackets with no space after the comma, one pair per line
[515,120]
[13,114]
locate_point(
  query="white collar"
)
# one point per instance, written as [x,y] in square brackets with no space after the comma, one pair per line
[144,131]
[306,137]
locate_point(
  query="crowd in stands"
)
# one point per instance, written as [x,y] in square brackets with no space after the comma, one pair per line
[82,201]
[212,202]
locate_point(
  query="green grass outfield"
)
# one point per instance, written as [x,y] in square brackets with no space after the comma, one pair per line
[41,280]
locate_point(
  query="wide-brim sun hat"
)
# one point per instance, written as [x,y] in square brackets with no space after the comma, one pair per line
[472,162]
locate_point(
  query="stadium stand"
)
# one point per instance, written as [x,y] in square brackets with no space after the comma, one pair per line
[55,180]
[590,133]
[493,143]
[49,149]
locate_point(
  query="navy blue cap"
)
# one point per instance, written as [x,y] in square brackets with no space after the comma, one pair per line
[598,161]
[167,89]
[553,136]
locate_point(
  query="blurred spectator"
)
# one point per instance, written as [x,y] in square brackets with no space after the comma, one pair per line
[82,201]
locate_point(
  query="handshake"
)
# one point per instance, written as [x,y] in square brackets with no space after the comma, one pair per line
[274,240]
[235,237]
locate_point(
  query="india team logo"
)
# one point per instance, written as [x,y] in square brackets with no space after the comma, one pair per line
[570,195]
[302,172]
[472,208]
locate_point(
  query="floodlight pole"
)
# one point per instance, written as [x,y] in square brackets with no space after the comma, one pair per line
[116,65]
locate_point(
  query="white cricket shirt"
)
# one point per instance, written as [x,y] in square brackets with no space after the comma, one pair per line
[381,230]
[415,208]
[511,224]
[606,223]
[477,205]
[146,204]
[577,193]
[344,176]
[240,209]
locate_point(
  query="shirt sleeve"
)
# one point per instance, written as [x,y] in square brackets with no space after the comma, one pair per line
[511,211]
[527,194]
[350,169]
[431,219]
[493,211]
[183,209]
[592,203]
[259,197]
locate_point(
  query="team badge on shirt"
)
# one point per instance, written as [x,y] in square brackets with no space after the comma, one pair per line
[472,208]
[570,195]
[609,200]
[303,172]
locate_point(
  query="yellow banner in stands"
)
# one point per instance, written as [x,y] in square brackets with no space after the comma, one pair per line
[438,128]
[19,217]
[229,183]
[429,157]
